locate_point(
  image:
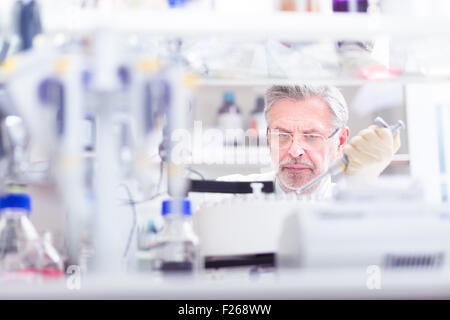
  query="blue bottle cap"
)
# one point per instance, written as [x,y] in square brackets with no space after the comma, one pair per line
[176,3]
[228,96]
[16,200]
[180,205]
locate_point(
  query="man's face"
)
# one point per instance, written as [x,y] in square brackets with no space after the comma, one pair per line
[301,162]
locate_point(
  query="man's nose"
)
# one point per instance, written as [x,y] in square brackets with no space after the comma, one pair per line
[296,150]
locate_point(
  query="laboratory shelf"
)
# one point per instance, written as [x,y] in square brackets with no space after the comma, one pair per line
[344,81]
[253,153]
[287,26]
[421,41]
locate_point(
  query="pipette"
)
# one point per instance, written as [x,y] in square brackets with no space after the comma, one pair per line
[342,164]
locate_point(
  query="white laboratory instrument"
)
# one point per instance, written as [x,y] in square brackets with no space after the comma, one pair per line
[394,236]
[397,233]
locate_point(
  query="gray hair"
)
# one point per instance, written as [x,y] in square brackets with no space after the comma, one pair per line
[331,95]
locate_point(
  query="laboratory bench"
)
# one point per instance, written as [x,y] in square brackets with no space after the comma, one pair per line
[239,285]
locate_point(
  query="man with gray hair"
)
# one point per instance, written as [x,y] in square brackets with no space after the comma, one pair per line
[307,132]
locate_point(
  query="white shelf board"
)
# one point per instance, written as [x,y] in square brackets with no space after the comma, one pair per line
[288,26]
[398,159]
[347,81]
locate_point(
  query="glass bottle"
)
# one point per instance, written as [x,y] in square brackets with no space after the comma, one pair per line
[176,248]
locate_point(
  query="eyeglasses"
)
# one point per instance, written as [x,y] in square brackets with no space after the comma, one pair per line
[310,141]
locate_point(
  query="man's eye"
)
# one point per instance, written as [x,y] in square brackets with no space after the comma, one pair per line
[312,136]
[284,135]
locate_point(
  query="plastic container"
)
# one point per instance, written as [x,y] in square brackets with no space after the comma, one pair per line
[176,249]
[52,263]
[20,249]
[230,119]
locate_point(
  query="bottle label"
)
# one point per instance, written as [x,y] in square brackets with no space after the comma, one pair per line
[230,121]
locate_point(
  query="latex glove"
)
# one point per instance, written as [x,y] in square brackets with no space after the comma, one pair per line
[371,151]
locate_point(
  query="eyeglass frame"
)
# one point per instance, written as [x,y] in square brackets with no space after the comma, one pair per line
[292,136]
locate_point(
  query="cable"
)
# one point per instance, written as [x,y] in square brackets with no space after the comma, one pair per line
[133,208]
[126,203]
[133,203]
[197,173]
[161,171]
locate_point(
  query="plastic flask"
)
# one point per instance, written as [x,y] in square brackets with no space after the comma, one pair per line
[176,248]
[52,264]
[20,249]
[229,118]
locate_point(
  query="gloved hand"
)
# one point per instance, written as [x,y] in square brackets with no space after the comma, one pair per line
[371,151]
